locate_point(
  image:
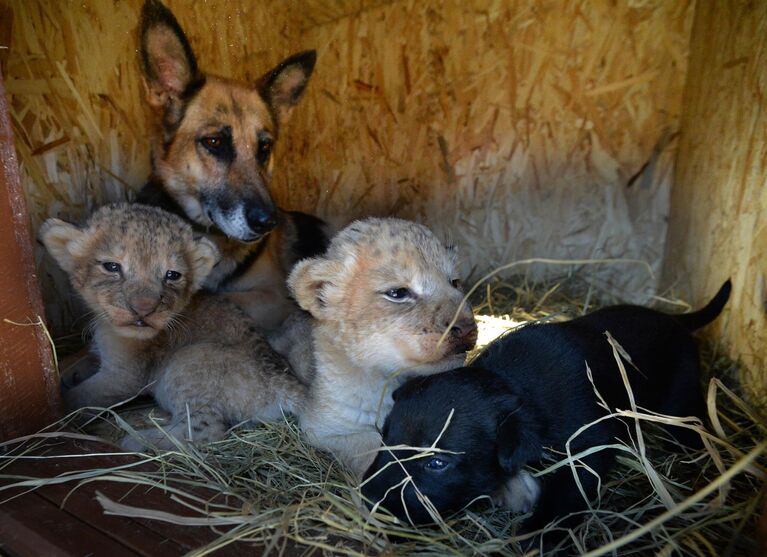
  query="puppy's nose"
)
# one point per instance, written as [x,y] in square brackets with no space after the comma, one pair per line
[144,305]
[261,219]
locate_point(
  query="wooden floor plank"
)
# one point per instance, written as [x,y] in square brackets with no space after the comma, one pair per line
[145,537]
[31,526]
[139,538]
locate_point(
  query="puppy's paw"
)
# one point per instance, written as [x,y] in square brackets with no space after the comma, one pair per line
[519,494]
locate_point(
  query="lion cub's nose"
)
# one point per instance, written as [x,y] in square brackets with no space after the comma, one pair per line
[464,334]
[464,328]
[144,305]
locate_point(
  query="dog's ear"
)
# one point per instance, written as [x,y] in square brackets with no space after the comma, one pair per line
[519,438]
[167,60]
[308,283]
[205,255]
[283,86]
[63,241]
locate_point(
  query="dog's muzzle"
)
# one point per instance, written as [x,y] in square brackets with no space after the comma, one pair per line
[261,219]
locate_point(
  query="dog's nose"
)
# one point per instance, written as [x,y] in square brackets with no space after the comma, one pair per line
[143,306]
[261,219]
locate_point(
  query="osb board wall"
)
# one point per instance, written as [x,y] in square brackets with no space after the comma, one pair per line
[719,203]
[520,128]
[516,126]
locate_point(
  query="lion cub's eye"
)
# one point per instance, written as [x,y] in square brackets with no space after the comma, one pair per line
[111,267]
[172,276]
[398,294]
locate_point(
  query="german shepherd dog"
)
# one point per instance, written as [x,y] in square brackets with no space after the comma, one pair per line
[212,163]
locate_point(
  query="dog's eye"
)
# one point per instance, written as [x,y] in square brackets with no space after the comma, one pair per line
[436,464]
[111,267]
[455,283]
[172,276]
[398,294]
[212,143]
[265,145]
[219,145]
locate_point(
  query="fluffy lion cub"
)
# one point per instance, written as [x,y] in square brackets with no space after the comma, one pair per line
[382,298]
[137,268]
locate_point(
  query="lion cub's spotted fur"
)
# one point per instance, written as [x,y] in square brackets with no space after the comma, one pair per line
[137,268]
[381,298]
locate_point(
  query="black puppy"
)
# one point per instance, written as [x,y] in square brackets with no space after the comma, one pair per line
[528,392]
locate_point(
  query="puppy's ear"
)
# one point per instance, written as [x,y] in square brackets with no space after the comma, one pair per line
[519,439]
[308,282]
[63,241]
[205,255]
[283,86]
[167,60]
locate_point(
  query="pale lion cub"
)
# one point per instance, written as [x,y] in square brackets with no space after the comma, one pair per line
[137,268]
[382,298]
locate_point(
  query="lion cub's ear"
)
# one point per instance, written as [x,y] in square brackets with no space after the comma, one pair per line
[205,255]
[308,284]
[63,241]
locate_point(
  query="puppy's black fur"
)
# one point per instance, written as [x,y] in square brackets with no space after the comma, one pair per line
[528,392]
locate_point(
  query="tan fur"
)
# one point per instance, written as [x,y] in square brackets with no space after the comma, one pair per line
[365,344]
[203,360]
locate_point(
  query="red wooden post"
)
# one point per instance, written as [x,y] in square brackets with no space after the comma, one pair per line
[29,386]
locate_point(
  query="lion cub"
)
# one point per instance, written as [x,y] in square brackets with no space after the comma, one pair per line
[137,268]
[382,298]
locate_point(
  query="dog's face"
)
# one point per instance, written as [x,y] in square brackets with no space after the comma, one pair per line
[480,445]
[214,155]
[388,290]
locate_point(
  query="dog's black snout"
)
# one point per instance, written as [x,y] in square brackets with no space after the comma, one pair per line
[261,219]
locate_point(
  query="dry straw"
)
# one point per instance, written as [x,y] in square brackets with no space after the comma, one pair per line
[280,490]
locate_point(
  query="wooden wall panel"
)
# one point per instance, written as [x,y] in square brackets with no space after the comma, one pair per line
[29,393]
[515,126]
[718,220]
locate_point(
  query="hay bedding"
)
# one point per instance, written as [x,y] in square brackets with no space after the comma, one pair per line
[656,502]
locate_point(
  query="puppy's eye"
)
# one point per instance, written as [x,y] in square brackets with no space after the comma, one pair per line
[436,464]
[172,276]
[455,283]
[112,267]
[398,294]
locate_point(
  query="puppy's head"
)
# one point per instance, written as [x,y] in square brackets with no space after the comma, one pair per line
[388,289]
[214,154]
[135,266]
[480,429]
